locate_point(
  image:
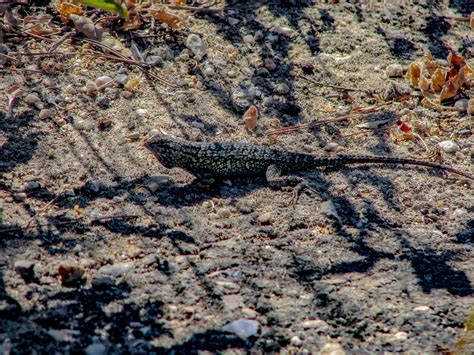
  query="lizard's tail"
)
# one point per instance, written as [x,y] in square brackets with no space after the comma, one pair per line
[346,159]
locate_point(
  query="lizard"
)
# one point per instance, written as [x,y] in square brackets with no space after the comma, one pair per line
[221,160]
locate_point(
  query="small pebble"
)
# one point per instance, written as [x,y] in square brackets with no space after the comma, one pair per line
[127,94]
[421,309]
[249,312]
[265,218]
[281,89]
[103,81]
[250,117]
[462,103]
[328,208]
[269,64]
[31,186]
[449,146]
[243,328]
[394,71]
[232,21]
[103,101]
[296,341]
[19,196]
[243,97]
[249,39]
[44,114]
[96,349]
[224,212]
[314,324]
[142,112]
[70,273]
[115,270]
[282,30]
[48,82]
[33,99]
[121,79]
[331,146]
[90,89]
[209,71]
[258,35]
[196,45]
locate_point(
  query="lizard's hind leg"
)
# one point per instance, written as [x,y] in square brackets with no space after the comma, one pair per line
[277,180]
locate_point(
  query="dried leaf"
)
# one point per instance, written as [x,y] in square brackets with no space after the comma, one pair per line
[423,83]
[456,60]
[132,84]
[66,8]
[450,89]
[250,117]
[413,74]
[429,64]
[172,20]
[465,76]
[404,135]
[438,79]
[471,21]
[132,23]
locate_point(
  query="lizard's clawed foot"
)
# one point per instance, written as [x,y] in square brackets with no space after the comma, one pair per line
[297,190]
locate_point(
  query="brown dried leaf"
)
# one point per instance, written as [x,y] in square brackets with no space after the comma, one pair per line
[471,21]
[466,76]
[133,22]
[174,21]
[456,60]
[250,117]
[423,83]
[429,64]
[413,74]
[438,79]
[450,89]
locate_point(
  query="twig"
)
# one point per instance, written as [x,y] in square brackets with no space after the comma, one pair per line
[355,112]
[338,87]
[8,57]
[60,41]
[40,210]
[68,222]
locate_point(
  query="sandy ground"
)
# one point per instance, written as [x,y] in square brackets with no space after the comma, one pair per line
[379,259]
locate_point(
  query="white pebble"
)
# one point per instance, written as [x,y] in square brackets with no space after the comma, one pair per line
[449,146]
[296,341]
[196,45]
[394,71]
[103,81]
[282,30]
[281,89]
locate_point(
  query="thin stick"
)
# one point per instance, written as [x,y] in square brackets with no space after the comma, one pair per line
[68,222]
[60,41]
[332,86]
[355,112]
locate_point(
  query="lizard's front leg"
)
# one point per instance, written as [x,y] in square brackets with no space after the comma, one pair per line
[277,180]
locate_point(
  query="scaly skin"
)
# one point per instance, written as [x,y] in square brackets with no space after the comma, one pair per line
[230,159]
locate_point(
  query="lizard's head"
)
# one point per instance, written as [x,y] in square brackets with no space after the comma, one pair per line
[165,149]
